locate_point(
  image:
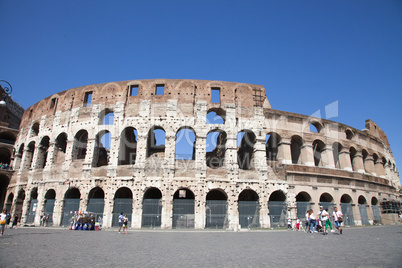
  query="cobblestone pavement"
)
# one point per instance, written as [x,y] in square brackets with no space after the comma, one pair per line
[379,246]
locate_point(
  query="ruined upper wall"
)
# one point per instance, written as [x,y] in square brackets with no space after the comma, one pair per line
[186,92]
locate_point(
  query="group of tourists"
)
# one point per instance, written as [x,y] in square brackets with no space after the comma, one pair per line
[321,221]
[5,219]
[4,165]
[123,222]
[44,220]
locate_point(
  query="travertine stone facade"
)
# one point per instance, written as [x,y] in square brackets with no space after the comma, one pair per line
[103,143]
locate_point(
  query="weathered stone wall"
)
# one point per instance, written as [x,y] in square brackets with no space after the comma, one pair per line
[66,153]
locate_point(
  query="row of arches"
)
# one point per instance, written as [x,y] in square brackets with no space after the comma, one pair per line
[216,214]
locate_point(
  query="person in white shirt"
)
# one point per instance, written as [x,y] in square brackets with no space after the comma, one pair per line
[3,217]
[324,217]
[337,216]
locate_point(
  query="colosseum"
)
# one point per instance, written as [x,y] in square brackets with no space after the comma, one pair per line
[194,154]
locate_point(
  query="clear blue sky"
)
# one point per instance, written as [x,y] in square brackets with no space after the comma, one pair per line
[307,54]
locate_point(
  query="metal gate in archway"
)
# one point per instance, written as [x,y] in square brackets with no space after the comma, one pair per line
[376,214]
[278,213]
[32,211]
[49,209]
[302,207]
[96,206]
[183,213]
[151,213]
[121,205]
[363,214]
[347,211]
[70,206]
[249,214]
[216,214]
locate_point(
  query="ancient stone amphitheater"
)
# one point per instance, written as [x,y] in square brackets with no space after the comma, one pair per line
[193,154]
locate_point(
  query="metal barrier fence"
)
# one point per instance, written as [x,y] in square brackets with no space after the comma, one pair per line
[249,214]
[376,214]
[183,213]
[216,214]
[278,213]
[49,206]
[70,206]
[151,213]
[32,211]
[122,205]
[96,205]
[302,208]
[363,214]
[347,211]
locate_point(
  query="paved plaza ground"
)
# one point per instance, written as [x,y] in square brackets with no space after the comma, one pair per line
[379,246]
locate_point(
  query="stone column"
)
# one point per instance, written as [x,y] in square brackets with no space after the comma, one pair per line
[265,221]
[68,154]
[40,208]
[379,168]
[90,156]
[35,156]
[199,203]
[284,152]
[50,155]
[233,213]
[231,153]
[259,157]
[369,165]
[169,155]
[344,160]
[327,157]
[58,210]
[25,208]
[137,215]
[167,205]
[358,164]
[307,155]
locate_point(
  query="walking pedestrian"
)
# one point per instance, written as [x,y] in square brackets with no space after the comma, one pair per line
[338,218]
[289,224]
[312,222]
[121,219]
[3,217]
[125,223]
[307,222]
[324,216]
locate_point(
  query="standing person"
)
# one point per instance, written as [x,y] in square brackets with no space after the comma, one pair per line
[312,222]
[297,224]
[289,224]
[307,222]
[338,218]
[121,219]
[324,216]
[15,221]
[125,223]
[3,217]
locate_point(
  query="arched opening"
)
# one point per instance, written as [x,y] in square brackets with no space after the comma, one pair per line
[185,144]
[365,155]
[318,148]
[43,152]
[19,203]
[7,137]
[347,211]
[152,208]
[271,146]
[216,209]
[106,117]
[33,203]
[303,203]
[315,127]
[216,116]
[35,129]
[123,203]
[71,204]
[156,142]
[245,149]
[4,181]
[327,201]
[349,134]
[60,148]
[363,210]
[128,146]
[352,154]
[183,209]
[96,202]
[29,153]
[5,157]
[80,144]
[249,209]
[336,149]
[9,202]
[50,198]
[295,146]
[216,148]
[102,149]
[376,211]
[277,209]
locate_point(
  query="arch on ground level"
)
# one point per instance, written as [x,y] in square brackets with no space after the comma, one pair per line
[152,208]
[183,209]
[4,181]
[296,144]
[33,203]
[71,204]
[216,209]
[80,144]
[50,198]
[19,203]
[245,149]
[271,145]
[376,210]
[327,201]
[318,148]
[96,201]
[156,141]
[347,210]
[216,116]
[123,203]
[249,209]
[9,202]
[303,203]
[216,148]
[185,143]
[277,209]
[363,210]
[128,146]
[336,149]
[326,197]
[102,147]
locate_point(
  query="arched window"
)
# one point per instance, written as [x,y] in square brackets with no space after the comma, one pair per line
[156,141]
[80,144]
[102,149]
[349,134]
[315,127]
[245,149]
[216,148]
[295,146]
[106,117]
[29,155]
[35,129]
[43,150]
[318,148]
[216,116]
[352,154]
[61,146]
[336,149]
[128,146]
[271,146]
[185,144]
